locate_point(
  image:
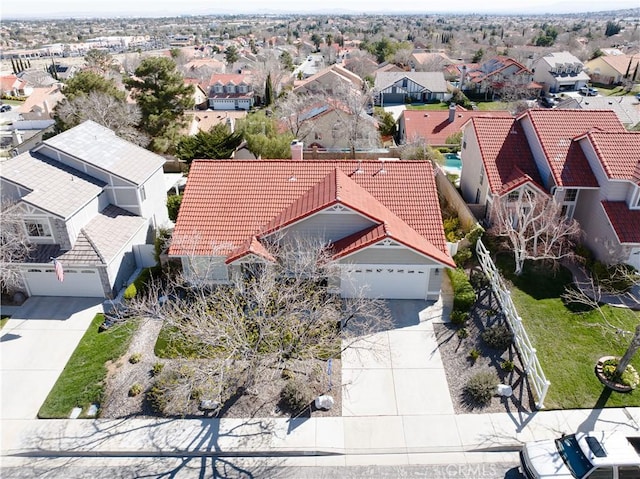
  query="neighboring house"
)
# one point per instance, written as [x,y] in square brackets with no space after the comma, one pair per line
[323,126]
[613,69]
[559,71]
[41,102]
[381,219]
[327,81]
[11,85]
[204,120]
[435,126]
[23,135]
[200,97]
[62,72]
[429,61]
[401,87]
[502,76]
[585,159]
[627,107]
[230,92]
[91,201]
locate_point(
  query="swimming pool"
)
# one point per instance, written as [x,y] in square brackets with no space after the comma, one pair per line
[452,160]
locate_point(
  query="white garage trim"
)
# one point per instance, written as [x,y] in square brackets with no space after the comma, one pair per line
[634,258]
[83,282]
[388,281]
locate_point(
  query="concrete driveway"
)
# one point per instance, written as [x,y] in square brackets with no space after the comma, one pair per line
[35,345]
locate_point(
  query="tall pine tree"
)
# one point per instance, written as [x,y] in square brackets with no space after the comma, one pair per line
[268,91]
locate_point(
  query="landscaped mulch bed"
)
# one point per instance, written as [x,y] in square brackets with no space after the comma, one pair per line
[261,400]
[459,367]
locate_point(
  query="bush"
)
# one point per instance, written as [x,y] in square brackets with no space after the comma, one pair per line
[463,333]
[462,256]
[481,386]
[463,294]
[628,378]
[586,254]
[296,394]
[479,280]
[173,206]
[617,278]
[135,389]
[474,354]
[474,235]
[498,337]
[135,358]
[459,317]
[507,365]
[157,368]
[452,230]
[131,291]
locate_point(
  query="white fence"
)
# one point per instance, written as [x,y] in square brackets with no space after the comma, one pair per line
[527,352]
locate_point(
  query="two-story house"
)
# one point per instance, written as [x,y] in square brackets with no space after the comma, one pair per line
[560,71]
[585,159]
[89,200]
[230,92]
[400,87]
[502,76]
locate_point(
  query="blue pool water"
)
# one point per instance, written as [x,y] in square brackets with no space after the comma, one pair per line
[451,160]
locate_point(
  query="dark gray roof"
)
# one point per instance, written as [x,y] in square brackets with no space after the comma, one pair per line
[54,187]
[99,146]
[432,81]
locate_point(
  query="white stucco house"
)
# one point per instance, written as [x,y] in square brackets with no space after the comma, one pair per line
[559,71]
[91,201]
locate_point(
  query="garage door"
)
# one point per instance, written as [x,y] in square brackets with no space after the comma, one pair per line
[405,282]
[634,258]
[84,282]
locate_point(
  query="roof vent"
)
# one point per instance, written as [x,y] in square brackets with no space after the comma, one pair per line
[293,177]
[359,169]
[513,131]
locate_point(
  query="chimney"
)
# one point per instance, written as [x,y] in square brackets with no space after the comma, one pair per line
[452,112]
[296,150]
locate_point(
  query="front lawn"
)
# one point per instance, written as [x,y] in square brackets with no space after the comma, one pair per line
[569,344]
[3,320]
[428,106]
[82,380]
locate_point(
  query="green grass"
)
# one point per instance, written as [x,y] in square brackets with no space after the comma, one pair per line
[3,320]
[491,105]
[82,380]
[13,103]
[569,344]
[428,106]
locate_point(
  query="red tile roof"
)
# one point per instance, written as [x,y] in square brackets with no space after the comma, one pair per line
[625,222]
[619,153]
[227,203]
[434,126]
[507,159]
[556,131]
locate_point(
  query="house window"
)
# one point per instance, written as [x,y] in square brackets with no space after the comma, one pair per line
[143,194]
[405,82]
[570,195]
[38,228]
[513,196]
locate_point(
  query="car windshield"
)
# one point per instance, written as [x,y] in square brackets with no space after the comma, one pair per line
[573,456]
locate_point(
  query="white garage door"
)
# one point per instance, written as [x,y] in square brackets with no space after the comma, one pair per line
[634,258]
[392,282]
[82,282]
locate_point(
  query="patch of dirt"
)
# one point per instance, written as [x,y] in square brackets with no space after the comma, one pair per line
[261,400]
[459,367]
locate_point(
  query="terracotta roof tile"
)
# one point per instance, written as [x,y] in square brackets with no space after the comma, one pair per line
[625,222]
[228,202]
[507,159]
[556,131]
[434,126]
[619,153]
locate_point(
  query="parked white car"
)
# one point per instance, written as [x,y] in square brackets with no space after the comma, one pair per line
[592,455]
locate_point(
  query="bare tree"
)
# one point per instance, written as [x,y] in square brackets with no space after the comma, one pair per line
[14,244]
[268,63]
[593,293]
[534,226]
[270,315]
[292,110]
[105,109]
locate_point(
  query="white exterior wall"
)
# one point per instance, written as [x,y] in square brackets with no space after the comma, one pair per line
[205,269]
[330,225]
[610,190]
[80,219]
[599,235]
[472,166]
[538,154]
[154,206]
[123,264]
[388,255]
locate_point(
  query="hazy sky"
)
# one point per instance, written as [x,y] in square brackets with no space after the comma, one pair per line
[66,8]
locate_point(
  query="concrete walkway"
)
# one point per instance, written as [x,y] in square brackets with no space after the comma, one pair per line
[396,411]
[35,345]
